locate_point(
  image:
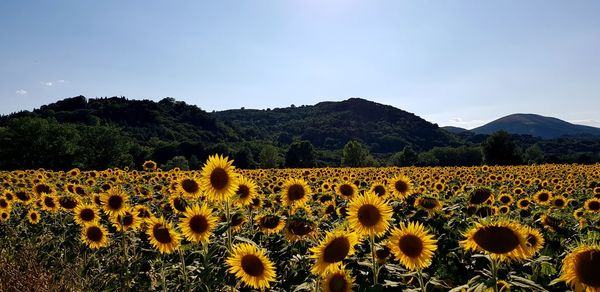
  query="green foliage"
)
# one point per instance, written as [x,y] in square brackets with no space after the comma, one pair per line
[300,154]
[499,149]
[270,157]
[354,154]
[406,157]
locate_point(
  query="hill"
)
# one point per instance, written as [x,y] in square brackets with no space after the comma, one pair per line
[455,130]
[330,125]
[537,126]
[104,132]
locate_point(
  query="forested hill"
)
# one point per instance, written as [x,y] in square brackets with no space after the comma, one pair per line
[330,125]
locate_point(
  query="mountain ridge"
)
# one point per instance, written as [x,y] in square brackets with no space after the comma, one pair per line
[536,125]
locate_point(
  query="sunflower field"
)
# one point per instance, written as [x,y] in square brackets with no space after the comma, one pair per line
[489,228]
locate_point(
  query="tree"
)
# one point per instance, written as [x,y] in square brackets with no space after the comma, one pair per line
[177,161]
[499,149]
[300,154]
[534,154]
[406,157]
[354,154]
[270,157]
[243,158]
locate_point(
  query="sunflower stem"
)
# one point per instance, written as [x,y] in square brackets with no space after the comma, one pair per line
[374,261]
[420,278]
[494,268]
[184,270]
[163,277]
[228,216]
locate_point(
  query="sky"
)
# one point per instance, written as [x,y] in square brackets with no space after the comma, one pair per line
[457,63]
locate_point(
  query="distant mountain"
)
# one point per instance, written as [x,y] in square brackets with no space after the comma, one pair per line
[536,125]
[455,130]
[330,125]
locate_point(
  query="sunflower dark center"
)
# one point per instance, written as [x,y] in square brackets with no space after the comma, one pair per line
[33,216]
[496,239]
[300,228]
[252,265]
[23,196]
[346,190]
[179,204]
[143,213]
[524,203]
[190,186]
[586,267]
[532,240]
[94,234]
[505,199]
[219,178]
[4,215]
[369,215]
[237,219]
[428,203]
[411,245]
[87,214]
[543,197]
[3,203]
[479,196]
[295,192]
[43,189]
[127,219]
[49,202]
[401,186]
[594,205]
[115,202]
[198,224]
[559,203]
[338,283]
[336,250]
[379,190]
[67,203]
[269,221]
[382,253]
[80,191]
[162,234]
[243,191]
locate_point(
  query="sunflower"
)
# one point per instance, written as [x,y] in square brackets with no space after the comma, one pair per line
[5,204]
[578,214]
[188,187]
[580,268]
[162,235]
[430,204]
[178,203]
[33,216]
[592,205]
[480,196]
[502,239]
[346,190]
[505,199]
[94,235]
[43,189]
[219,181]
[49,203]
[68,202]
[299,228]
[524,204]
[86,214]
[334,248]
[369,214]
[4,215]
[270,223]
[379,189]
[198,223]
[534,241]
[412,245]
[142,211]
[127,220]
[24,197]
[543,197]
[246,191]
[401,187]
[559,202]
[251,265]
[149,165]
[295,192]
[338,279]
[114,202]
[382,253]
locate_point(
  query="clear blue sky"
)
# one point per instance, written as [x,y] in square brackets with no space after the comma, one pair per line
[458,63]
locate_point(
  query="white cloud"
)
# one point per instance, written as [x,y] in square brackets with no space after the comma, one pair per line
[587,122]
[47,83]
[460,122]
[21,92]
[61,81]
